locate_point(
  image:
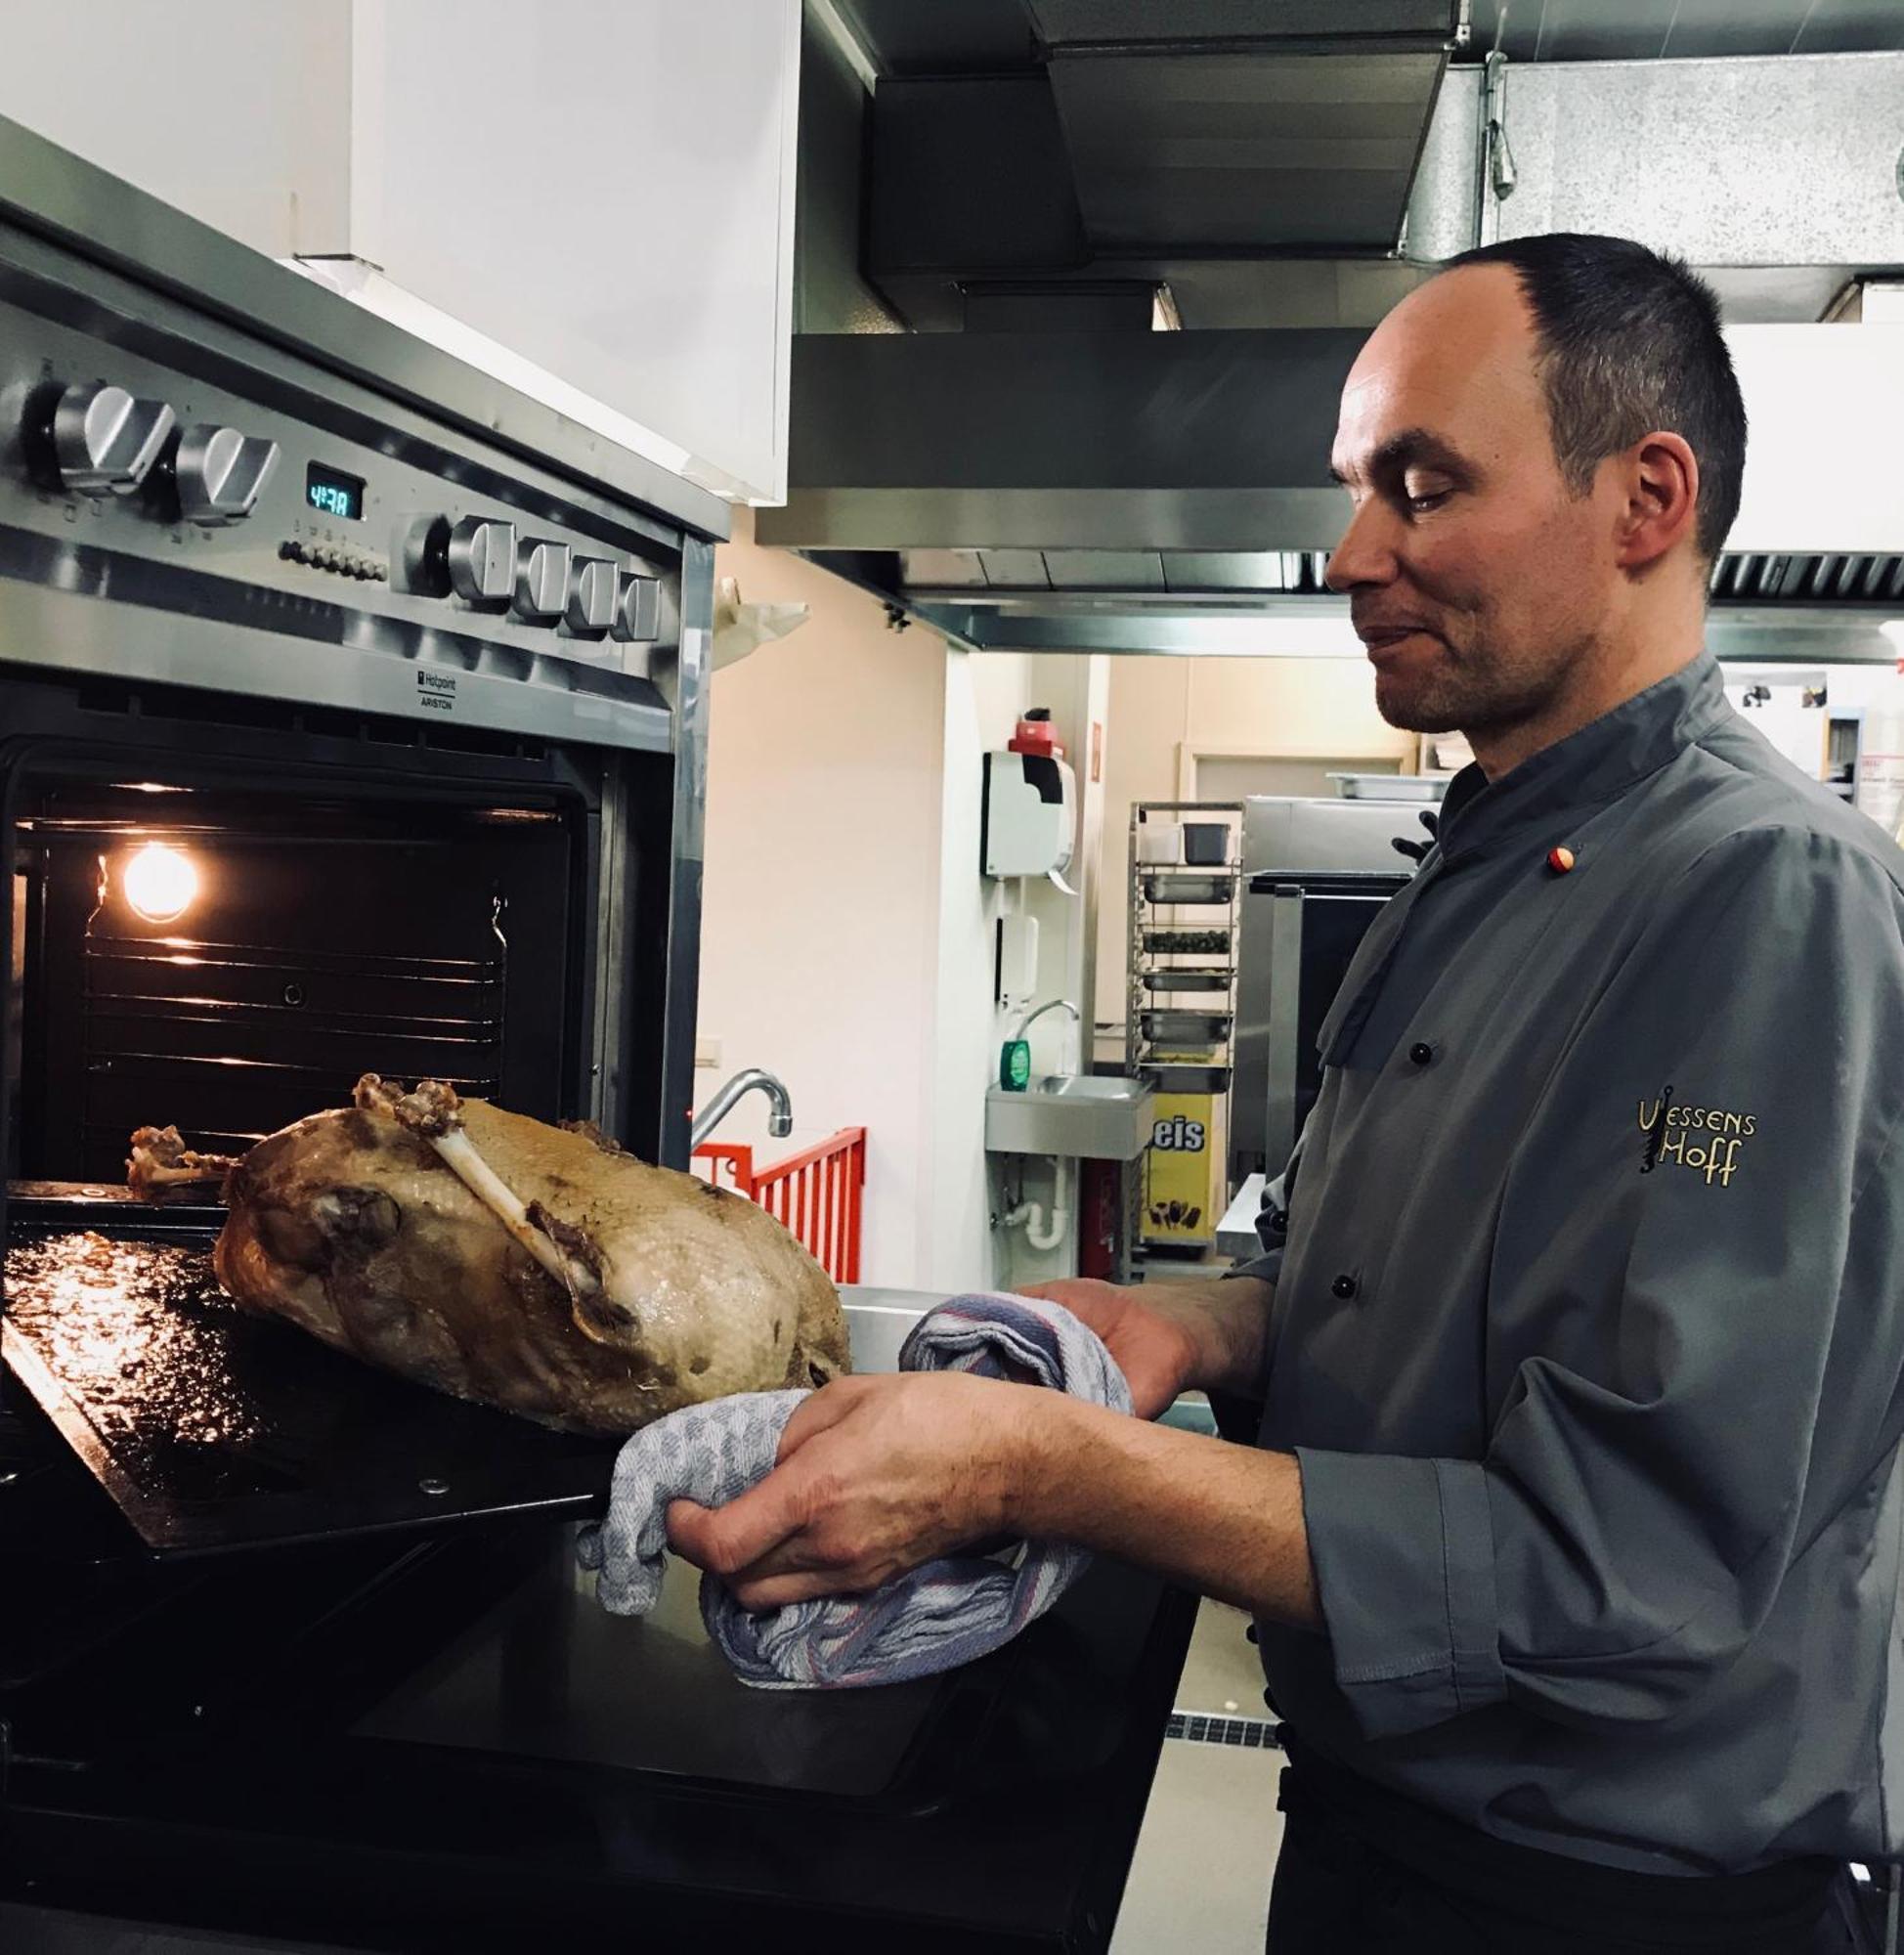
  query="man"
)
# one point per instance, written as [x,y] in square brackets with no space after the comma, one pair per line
[1573,1525]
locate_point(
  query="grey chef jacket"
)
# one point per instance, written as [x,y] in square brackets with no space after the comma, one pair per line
[1589,1319]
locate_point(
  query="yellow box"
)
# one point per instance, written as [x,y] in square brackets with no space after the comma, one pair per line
[1179,1171]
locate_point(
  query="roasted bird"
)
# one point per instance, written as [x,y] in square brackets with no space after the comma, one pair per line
[538,1269]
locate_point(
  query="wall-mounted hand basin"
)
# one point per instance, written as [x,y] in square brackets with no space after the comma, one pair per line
[1074,1116]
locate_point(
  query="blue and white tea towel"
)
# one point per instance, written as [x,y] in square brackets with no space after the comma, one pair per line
[939,1616]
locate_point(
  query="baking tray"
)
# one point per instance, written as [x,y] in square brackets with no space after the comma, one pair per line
[1178,887]
[1185,942]
[212,1429]
[1409,790]
[1175,1076]
[1189,981]
[1181,1029]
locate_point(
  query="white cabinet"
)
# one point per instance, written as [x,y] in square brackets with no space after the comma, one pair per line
[594,197]
[237,113]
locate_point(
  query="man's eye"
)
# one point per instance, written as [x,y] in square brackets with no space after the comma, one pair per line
[1422,501]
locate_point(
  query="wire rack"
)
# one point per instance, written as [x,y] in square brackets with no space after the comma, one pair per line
[1183,923]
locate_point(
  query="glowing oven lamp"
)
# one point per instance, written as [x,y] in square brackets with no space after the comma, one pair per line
[160,883]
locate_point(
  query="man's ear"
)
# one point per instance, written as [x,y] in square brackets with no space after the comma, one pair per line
[1661,478]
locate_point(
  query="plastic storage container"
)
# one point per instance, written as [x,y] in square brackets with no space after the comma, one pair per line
[1160,843]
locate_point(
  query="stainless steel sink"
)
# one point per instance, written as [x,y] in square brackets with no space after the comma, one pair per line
[1079,1116]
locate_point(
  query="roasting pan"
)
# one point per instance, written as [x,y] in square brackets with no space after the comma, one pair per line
[211,1429]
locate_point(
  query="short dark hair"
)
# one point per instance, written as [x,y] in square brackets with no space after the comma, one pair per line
[1629,341]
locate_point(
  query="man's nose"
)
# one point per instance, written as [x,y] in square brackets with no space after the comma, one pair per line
[1365,555]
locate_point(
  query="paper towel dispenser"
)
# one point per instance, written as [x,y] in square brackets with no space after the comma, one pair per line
[1028,815]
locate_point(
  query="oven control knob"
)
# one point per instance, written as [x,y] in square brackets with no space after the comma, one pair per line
[591,597]
[542,582]
[220,472]
[106,440]
[482,560]
[638,611]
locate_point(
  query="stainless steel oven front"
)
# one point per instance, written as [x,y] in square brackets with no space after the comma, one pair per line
[352,717]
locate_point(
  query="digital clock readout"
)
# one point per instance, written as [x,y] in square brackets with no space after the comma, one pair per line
[333,493]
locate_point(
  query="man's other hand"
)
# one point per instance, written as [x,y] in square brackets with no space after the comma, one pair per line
[1155,1344]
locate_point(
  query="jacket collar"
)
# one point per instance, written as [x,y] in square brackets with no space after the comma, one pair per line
[1597,764]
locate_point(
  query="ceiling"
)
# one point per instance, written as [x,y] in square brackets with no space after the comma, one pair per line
[915,37]
[1573,30]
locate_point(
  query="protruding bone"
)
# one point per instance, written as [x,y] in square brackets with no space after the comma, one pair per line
[433,1113]
[162,1160]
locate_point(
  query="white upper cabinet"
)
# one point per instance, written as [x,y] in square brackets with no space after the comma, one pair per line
[593,198]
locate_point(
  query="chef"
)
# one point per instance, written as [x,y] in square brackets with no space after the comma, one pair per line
[1571,1510]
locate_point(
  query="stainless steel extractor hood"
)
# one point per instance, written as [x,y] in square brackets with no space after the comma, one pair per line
[1169,492]
[1146,491]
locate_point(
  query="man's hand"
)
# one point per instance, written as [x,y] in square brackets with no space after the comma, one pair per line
[879,1475]
[1154,1349]
[1168,1337]
[875,1475]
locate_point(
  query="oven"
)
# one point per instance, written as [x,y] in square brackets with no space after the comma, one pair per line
[353,718]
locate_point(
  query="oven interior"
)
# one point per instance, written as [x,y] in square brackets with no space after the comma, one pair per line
[232,961]
[211,1525]
[221,928]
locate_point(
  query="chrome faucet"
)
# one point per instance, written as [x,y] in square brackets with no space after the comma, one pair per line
[780,1121]
[1031,1018]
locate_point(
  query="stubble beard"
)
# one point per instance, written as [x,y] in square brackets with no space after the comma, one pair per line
[1478,691]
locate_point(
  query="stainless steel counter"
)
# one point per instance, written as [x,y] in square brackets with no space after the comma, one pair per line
[878,1320]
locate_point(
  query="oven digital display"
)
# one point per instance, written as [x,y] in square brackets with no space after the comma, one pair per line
[334,492]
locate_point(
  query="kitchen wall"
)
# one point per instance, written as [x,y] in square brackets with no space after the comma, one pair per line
[983,697]
[1164,711]
[848,933]
[985,693]
[820,909]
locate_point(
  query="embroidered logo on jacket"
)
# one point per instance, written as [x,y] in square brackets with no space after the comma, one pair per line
[1706,1138]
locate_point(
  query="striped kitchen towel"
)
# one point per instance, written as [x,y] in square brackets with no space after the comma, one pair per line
[934,1617]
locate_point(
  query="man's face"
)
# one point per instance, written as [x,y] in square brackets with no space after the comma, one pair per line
[1477,578]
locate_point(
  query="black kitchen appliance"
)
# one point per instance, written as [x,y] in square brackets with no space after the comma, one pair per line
[352,717]
[1317,872]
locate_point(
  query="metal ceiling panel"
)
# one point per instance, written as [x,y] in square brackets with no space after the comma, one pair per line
[1851,26]
[970,38]
[1222,570]
[1105,569]
[1644,29]
[1244,151]
[1015,569]
[1781,163]
[941,570]
[1292,573]
[1734,27]
[1133,23]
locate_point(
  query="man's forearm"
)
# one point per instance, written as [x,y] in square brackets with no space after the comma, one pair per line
[1225,1520]
[1229,1323]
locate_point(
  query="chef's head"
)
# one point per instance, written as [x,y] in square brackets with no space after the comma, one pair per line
[1543,445]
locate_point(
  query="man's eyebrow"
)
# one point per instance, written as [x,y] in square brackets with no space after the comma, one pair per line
[1411,449]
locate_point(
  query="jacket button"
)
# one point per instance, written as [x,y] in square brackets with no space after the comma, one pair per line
[1421,1053]
[1345,1286]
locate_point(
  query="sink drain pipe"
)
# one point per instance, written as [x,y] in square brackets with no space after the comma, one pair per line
[1031,1214]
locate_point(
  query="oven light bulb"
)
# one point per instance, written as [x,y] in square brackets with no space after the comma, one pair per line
[160,883]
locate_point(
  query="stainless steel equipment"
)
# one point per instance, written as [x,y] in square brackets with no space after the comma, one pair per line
[1072,1116]
[352,716]
[1334,863]
[318,754]
[780,1121]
